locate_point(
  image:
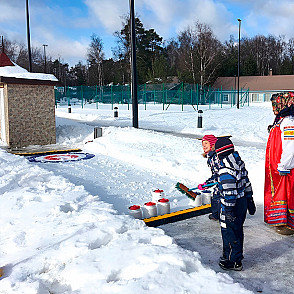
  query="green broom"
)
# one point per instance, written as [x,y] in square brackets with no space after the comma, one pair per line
[185,190]
[192,195]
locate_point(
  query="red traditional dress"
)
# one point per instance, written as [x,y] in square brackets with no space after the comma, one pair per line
[279,190]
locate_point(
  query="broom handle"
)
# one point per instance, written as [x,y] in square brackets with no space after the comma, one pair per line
[204,186]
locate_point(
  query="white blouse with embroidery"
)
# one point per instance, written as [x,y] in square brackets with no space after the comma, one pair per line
[287,137]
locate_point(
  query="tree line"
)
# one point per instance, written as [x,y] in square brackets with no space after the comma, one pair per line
[195,56]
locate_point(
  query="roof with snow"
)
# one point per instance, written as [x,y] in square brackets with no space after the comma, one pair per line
[10,72]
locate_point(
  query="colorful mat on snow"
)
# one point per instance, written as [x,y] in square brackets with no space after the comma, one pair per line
[60,157]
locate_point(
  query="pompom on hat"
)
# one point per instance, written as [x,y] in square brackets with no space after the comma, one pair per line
[210,138]
[224,147]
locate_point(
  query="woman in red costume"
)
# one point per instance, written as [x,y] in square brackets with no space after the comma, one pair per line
[279,166]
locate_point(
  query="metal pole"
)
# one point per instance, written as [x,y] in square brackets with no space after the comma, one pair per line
[163,96]
[235,88]
[239,20]
[221,96]
[133,66]
[182,96]
[44,45]
[2,44]
[145,96]
[28,36]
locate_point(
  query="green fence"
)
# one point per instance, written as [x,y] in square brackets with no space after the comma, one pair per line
[165,94]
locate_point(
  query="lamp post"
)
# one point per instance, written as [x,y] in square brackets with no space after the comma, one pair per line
[28,36]
[238,105]
[235,88]
[44,45]
[133,66]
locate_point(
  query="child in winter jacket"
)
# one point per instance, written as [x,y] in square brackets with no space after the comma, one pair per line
[208,142]
[235,198]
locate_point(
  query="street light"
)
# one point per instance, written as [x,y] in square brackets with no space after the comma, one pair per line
[28,36]
[44,45]
[235,88]
[239,20]
[133,66]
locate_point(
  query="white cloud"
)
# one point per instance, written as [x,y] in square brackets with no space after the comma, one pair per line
[12,11]
[213,13]
[162,11]
[159,15]
[71,51]
[271,17]
[108,13]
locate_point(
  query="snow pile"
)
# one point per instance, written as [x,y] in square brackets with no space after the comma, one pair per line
[57,238]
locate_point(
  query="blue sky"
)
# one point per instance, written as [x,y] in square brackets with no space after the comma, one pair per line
[66,25]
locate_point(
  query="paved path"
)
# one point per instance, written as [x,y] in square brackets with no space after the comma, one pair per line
[268,257]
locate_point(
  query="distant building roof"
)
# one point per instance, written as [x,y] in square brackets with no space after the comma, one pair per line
[4,60]
[257,83]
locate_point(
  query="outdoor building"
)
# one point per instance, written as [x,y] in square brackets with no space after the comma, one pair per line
[27,106]
[258,88]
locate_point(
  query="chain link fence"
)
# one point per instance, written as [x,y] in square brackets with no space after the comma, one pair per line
[165,94]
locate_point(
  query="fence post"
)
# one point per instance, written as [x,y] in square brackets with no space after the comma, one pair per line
[163,96]
[221,96]
[197,98]
[68,96]
[82,96]
[96,95]
[145,95]
[122,95]
[129,95]
[111,97]
[182,96]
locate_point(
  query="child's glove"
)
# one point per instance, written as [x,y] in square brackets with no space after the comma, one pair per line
[201,188]
[251,206]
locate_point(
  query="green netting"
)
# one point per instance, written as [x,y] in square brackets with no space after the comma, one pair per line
[165,94]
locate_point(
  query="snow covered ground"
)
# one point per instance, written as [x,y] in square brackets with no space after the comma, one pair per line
[65,228]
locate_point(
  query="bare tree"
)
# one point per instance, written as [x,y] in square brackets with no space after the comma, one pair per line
[95,57]
[208,49]
[188,41]
[200,49]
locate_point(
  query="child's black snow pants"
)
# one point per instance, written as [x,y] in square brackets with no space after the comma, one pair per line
[215,205]
[232,232]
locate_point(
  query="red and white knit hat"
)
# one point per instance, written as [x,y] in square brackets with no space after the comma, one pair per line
[211,139]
